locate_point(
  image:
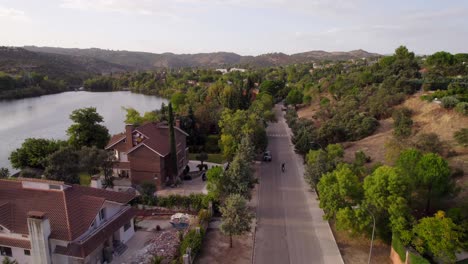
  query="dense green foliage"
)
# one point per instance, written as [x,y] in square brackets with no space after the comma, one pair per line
[86,129]
[192,240]
[33,153]
[402,123]
[28,85]
[194,202]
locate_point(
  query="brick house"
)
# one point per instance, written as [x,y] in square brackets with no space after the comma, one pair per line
[44,222]
[143,153]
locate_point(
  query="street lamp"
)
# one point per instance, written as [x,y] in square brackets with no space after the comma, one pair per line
[373,230]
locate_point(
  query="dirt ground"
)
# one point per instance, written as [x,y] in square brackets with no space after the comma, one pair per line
[216,249]
[356,250]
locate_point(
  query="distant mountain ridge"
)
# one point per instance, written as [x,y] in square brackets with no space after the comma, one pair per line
[147,60]
[57,66]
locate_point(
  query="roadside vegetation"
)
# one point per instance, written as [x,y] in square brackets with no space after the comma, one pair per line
[414,197]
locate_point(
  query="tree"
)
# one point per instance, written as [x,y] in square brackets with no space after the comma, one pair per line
[294,97]
[63,165]
[433,178]
[339,189]
[177,100]
[440,237]
[322,161]
[215,183]
[94,160]
[406,164]
[238,179]
[4,173]
[87,130]
[402,122]
[134,117]
[147,192]
[236,217]
[172,139]
[33,153]
[385,189]
[202,157]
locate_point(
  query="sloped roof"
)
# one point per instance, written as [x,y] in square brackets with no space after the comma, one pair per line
[70,211]
[156,138]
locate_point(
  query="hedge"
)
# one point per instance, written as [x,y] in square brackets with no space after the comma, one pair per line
[192,202]
[192,240]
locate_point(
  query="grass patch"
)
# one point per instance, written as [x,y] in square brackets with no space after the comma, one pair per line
[399,248]
[215,157]
[85,179]
[416,259]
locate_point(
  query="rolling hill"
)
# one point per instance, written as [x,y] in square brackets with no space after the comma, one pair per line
[146,60]
[57,66]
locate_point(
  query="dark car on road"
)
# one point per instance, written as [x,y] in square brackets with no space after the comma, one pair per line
[267,156]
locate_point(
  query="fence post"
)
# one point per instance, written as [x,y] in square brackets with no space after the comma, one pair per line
[407,257]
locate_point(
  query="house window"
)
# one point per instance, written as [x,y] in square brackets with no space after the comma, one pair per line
[5,251]
[27,252]
[127,226]
[102,214]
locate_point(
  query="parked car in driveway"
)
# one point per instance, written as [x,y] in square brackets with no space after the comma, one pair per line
[267,156]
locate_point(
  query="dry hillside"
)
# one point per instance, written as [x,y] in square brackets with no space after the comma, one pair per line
[427,118]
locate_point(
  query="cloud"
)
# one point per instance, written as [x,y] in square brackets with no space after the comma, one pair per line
[13,14]
[174,7]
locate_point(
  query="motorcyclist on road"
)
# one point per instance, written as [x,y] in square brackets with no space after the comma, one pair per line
[282,167]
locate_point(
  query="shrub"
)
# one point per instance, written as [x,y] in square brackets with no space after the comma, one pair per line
[462,108]
[449,102]
[192,240]
[403,123]
[461,136]
[204,216]
[429,142]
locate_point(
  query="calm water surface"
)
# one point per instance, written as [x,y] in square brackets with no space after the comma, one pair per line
[48,116]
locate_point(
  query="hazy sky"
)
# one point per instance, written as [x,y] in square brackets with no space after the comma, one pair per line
[247,27]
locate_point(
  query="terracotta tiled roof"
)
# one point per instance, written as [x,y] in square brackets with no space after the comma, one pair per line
[15,242]
[5,214]
[70,211]
[81,249]
[115,139]
[157,137]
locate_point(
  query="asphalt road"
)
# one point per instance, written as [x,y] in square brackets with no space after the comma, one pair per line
[290,228]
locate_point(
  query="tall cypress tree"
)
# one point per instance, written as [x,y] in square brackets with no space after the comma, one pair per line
[173,145]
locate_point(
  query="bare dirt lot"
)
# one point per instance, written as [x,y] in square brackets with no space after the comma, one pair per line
[216,248]
[355,250]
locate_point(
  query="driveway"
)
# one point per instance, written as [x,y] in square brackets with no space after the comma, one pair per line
[290,227]
[196,185]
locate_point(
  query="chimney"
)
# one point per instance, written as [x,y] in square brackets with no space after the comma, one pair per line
[39,231]
[128,136]
[177,122]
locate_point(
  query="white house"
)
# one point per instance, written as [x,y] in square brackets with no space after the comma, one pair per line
[44,222]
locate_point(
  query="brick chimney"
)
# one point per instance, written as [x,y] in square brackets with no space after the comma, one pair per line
[128,135]
[39,231]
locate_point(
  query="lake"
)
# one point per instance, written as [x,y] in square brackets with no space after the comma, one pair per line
[48,116]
